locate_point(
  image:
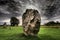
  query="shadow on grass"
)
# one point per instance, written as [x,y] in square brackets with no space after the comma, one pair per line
[22,37]
[47,37]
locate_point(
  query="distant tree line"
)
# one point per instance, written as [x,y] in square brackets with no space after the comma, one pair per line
[52,23]
[13,22]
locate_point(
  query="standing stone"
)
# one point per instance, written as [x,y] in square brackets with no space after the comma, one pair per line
[31,22]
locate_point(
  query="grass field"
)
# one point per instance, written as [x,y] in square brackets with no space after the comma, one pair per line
[15,33]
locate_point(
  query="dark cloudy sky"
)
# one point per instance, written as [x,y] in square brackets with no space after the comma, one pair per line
[48,9]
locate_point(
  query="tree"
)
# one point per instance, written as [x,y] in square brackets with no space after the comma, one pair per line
[51,23]
[14,21]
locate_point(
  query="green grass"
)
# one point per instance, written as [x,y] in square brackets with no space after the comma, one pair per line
[15,33]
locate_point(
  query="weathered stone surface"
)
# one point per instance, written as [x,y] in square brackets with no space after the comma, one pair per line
[31,22]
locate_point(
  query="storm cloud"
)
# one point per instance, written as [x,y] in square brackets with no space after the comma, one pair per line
[48,9]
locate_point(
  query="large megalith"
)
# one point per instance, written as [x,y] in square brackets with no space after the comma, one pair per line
[31,22]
